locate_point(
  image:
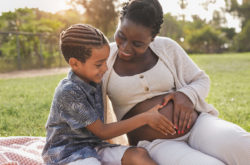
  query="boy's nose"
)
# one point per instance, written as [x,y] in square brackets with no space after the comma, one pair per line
[105,67]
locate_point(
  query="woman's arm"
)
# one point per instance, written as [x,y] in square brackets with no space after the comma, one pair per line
[190,79]
[192,85]
[152,117]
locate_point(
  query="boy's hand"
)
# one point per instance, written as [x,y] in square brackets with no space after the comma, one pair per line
[159,122]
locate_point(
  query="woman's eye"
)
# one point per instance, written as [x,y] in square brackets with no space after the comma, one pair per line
[121,36]
[136,44]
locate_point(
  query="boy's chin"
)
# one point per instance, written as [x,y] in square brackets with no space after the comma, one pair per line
[97,81]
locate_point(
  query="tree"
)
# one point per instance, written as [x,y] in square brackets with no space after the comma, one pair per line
[206,40]
[218,19]
[34,23]
[242,40]
[183,5]
[242,11]
[171,27]
[100,13]
[69,17]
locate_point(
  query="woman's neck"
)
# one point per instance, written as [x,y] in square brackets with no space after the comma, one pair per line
[135,66]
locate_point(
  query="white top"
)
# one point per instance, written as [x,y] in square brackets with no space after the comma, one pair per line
[188,77]
[127,91]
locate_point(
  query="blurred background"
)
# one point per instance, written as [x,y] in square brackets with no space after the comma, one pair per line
[29,29]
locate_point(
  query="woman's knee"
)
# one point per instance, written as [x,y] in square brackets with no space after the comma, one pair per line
[233,146]
[136,155]
[221,139]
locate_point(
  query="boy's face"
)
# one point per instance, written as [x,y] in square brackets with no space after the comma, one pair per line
[94,67]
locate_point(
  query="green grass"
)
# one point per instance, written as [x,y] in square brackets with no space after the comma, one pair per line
[230,85]
[25,102]
[7,65]
[24,105]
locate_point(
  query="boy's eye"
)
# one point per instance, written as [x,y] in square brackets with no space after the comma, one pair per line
[98,65]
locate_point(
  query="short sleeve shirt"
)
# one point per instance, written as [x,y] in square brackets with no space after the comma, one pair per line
[75,105]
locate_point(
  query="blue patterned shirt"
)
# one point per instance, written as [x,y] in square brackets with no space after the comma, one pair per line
[75,105]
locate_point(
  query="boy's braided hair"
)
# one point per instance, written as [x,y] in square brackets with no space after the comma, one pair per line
[78,40]
[144,12]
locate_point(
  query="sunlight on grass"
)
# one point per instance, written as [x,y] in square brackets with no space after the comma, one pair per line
[230,85]
[24,105]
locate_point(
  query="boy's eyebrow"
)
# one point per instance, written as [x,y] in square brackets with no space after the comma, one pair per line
[101,60]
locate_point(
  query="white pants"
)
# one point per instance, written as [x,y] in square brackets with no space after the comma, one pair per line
[211,141]
[108,155]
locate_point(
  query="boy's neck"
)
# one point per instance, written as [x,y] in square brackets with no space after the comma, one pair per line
[85,80]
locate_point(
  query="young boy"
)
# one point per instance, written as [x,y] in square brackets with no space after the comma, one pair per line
[75,128]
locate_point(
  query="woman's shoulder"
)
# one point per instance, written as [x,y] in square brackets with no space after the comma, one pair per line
[113,47]
[167,42]
[165,47]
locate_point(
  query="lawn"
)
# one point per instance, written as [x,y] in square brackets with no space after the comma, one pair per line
[25,102]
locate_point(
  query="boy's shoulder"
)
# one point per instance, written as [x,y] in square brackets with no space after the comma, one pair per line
[72,87]
[69,87]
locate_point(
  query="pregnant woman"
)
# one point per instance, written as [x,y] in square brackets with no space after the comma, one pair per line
[145,70]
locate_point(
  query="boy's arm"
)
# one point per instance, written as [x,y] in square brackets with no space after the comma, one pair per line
[152,117]
[78,113]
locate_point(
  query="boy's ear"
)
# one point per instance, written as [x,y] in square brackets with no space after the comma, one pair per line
[73,62]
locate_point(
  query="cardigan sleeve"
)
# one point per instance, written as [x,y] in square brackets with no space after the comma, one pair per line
[189,78]
[195,83]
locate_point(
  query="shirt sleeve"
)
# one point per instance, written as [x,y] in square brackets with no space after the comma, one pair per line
[75,108]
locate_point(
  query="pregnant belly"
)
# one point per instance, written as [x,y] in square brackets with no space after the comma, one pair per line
[146,132]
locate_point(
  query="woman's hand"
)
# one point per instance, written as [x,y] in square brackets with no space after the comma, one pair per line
[158,121]
[183,110]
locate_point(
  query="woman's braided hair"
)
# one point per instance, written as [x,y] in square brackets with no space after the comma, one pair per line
[78,40]
[145,12]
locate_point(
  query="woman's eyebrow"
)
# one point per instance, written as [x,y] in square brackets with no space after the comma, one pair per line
[141,42]
[121,33]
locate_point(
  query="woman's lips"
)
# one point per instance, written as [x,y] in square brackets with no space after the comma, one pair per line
[125,54]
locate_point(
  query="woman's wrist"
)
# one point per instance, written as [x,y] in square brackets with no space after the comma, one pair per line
[183,95]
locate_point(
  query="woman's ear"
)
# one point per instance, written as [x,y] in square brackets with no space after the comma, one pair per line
[73,62]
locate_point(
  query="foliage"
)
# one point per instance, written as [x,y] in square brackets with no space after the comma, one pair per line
[39,45]
[171,27]
[100,13]
[25,102]
[242,40]
[196,36]
[218,19]
[206,40]
[242,11]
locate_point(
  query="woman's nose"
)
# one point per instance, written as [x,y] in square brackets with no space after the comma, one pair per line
[126,47]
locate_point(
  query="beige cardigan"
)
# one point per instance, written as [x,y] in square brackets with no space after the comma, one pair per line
[188,77]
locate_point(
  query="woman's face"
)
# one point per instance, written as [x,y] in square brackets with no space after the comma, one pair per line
[132,39]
